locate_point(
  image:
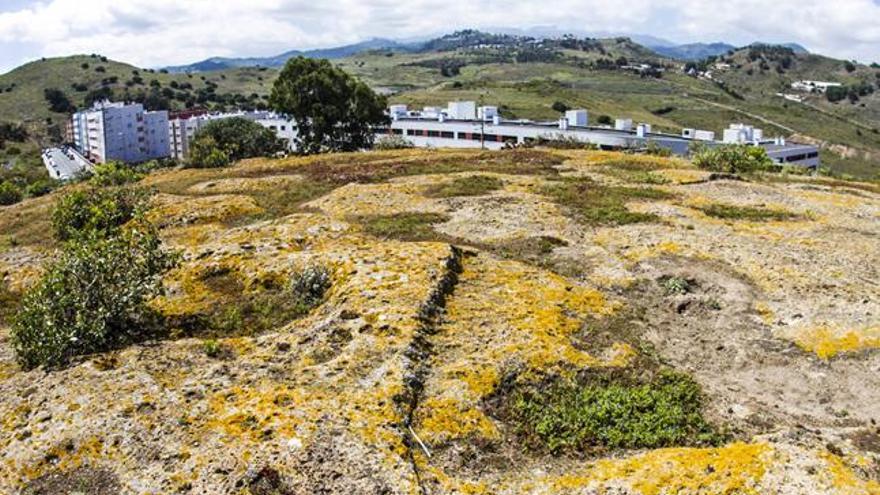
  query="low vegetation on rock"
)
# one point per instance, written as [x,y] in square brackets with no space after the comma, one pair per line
[599,412]
[476,185]
[596,204]
[732,212]
[403,226]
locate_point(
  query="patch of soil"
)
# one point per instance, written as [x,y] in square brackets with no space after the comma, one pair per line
[84,480]
[712,331]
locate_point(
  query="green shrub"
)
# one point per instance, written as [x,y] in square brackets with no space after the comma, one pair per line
[93,297]
[204,152]
[676,285]
[9,193]
[734,159]
[613,412]
[39,188]
[215,349]
[96,210]
[652,148]
[114,174]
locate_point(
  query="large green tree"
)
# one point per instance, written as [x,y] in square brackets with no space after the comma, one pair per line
[227,140]
[333,111]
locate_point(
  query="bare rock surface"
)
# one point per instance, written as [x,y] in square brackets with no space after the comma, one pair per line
[392,385]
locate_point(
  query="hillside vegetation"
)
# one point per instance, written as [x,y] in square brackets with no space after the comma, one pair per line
[436,321]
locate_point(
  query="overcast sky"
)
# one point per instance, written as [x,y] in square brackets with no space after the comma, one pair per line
[152,33]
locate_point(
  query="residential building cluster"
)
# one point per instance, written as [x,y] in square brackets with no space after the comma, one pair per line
[118,131]
[126,132]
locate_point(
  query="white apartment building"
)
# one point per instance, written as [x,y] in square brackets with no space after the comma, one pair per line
[183,128]
[119,131]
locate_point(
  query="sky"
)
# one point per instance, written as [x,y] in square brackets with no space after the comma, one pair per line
[155,33]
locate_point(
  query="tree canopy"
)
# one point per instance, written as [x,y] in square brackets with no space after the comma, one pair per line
[333,110]
[227,140]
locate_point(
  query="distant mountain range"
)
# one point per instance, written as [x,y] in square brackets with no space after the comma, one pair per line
[690,51]
[220,63]
[698,51]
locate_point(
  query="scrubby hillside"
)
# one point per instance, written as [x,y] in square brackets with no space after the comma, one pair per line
[508,322]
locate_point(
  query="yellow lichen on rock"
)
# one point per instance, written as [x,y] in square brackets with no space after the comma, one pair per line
[842,478]
[176,210]
[734,469]
[505,316]
[244,184]
[827,341]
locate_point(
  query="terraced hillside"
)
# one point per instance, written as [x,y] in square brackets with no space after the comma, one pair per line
[527,321]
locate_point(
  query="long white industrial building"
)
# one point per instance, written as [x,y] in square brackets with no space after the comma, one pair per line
[463,125]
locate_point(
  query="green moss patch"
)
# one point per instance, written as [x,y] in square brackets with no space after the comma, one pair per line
[749,213]
[608,411]
[402,226]
[240,311]
[595,204]
[477,185]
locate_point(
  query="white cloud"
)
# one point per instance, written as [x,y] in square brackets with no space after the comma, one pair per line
[164,32]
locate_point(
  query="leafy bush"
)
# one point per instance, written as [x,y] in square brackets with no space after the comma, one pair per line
[676,285]
[114,174]
[10,193]
[393,142]
[605,120]
[204,152]
[560,107]
[39,188]
[614,412]
[561,142]
[224,141]
[92,298]
[654,149]
[734,159]
[103,211]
